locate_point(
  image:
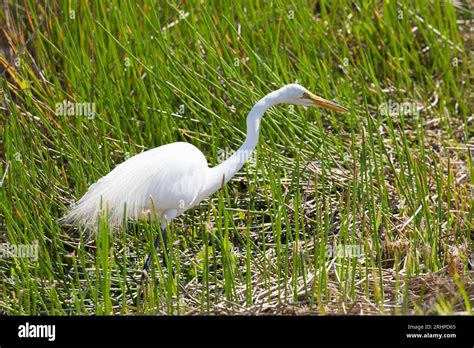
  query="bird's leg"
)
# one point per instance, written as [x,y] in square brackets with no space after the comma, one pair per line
[157,245]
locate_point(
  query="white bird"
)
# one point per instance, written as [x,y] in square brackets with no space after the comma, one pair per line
[175,177]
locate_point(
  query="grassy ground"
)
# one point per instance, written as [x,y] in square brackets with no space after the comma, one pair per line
[395,187]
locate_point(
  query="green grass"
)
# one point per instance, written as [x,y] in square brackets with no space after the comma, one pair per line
[399,187]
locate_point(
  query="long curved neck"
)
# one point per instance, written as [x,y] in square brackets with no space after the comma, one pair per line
[222,173]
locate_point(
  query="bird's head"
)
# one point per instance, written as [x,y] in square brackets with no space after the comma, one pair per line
[296,94]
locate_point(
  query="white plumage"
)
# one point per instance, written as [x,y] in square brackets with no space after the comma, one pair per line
[170,177]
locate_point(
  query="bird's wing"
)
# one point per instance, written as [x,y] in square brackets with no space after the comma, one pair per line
[167,177]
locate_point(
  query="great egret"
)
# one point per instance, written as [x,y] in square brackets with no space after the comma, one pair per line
[175,177]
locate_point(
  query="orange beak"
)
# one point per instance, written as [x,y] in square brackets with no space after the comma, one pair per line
[321,102]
